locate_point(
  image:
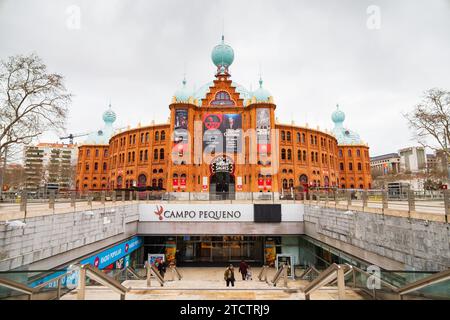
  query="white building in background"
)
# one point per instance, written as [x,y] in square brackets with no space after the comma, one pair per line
[413,159]
[50,166]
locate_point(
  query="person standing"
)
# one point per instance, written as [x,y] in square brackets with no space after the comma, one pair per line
[229,276]
[162,268]
[243,267]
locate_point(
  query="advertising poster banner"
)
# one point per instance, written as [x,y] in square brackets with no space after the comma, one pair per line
[180,131]
[263,130]
[156,259]
[284,259]
[222,132]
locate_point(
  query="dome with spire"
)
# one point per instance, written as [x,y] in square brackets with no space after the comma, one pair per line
[261,94]
[102,136]
[109,116]
[338,115]
[222,55]
[183,94]
[343,135]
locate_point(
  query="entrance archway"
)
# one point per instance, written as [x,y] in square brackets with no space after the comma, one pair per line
[222,186]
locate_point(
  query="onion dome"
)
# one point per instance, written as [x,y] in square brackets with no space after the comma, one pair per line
[338,116]
[183,94]
[343,135]
[261,94]
[109,116]
[222,55]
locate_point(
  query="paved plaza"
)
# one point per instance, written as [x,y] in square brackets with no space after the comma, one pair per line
[208,284]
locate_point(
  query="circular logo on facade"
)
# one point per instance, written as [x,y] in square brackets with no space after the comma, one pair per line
[222,164]
[96,262]
[126,247]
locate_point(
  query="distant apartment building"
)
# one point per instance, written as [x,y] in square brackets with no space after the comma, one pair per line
[50,166]
[413,160]
[385,164]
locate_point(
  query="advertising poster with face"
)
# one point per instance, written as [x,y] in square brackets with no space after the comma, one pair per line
[263,130]
[222,132]
[180,131]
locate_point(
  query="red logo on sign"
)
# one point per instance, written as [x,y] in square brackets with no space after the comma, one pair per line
[159,212]
[96,262]
[126,247]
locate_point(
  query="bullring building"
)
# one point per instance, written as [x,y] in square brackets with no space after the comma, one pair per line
[223,139]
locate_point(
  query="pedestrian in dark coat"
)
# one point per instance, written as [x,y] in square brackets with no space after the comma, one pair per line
[229,276]
[243,267]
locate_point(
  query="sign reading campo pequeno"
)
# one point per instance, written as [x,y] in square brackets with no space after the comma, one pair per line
[196,213]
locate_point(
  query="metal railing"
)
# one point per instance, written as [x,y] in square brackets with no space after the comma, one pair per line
[332,273]
[282,273]
[100,277]
[424,283]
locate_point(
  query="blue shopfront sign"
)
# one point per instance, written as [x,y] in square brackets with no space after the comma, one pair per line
[100,261]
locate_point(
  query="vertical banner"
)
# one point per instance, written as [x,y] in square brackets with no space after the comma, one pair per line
[222,133]
[269,183]
[180,132]
[183,182]
[175,183]
[260,183]
[263,130]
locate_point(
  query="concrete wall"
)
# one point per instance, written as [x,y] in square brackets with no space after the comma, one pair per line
[387,241]
[48,241]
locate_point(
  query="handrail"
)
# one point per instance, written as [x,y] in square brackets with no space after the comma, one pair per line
[333,272]
[262,276]
[43,284]
[387,284]
[96,275]
[174,268]
[10,284]
[281,273]
[134,273]
[152,270]
[425,282]
[308,271]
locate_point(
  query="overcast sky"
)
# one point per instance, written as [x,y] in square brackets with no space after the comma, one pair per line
[312,54]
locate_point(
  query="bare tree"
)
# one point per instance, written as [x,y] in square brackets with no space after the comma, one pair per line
[32,101]
[430,120]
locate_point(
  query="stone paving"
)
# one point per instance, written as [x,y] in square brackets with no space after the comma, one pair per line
[208,284]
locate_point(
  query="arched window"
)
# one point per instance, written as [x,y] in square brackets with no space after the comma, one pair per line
[87,167]
[285,184]
[154,183]
[349,153]
[326,181]
[155,171]
[160,171]
[299,155]
[146,137]
[291,183]
[161,154]
[283,135]
[156,135]
[359,166]
[350,167]
[142,180]
[104,166]
[298,137]
[141,155]
[303,179]
[283,154]
[163,135]
[289,154]
[288,136]
[303,138]
[119,182]
[145,155]
[358,153]
[160,184]
[341,166]
[222,98]
[96,166]
[304,155]
[155,154]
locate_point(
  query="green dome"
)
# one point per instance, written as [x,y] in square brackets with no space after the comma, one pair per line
[338,116]
[183,94]
[261,94]
[222,55]
[109,116]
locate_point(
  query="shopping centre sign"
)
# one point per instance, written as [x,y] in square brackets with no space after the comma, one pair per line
[196,213]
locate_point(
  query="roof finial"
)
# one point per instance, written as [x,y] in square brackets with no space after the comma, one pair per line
[337,106]
[260,76]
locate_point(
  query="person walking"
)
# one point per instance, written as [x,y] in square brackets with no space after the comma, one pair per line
[243,267]
[229,276]
[162,268]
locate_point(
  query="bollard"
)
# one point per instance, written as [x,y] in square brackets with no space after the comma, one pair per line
[103,196]
[89,199]
[113,196]
[123,195]
[23,201]
[147,195]
[364,199]
[72,198]
[136,195]
[131,196]
[446,204]
[411,201]
[349,198]
[326,198]
[384,199]
[51,199]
